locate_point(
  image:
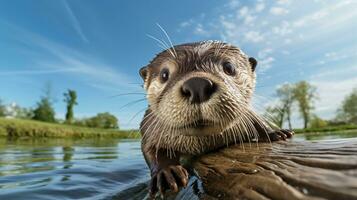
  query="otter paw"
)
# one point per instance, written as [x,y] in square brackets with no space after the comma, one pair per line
[169,178]
[281,134]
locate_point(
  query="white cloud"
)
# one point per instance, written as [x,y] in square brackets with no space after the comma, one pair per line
[266,63]
[279,11]
[58,59]
[233,4]
[297,38]
[283,2]
[332,15]
[186,23]
[265,59]
[249,19]
[253,36]
[259,7]
[264,53]
[283,29]
[199,30]
[247,15]
[244,11]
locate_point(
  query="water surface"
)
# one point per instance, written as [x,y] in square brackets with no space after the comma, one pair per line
[69,169]
[82,169]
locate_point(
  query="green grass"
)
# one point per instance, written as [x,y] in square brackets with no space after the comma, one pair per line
[31,128]
[327,129]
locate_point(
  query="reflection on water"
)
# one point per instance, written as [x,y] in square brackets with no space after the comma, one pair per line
[69,169]
[82,169]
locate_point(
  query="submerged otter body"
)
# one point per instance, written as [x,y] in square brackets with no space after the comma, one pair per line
[199,98]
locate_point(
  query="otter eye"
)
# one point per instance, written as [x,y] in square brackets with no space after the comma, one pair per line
[164,75]
[229,69]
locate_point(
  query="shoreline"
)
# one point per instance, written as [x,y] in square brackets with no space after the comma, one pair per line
[31,128]
[328,129]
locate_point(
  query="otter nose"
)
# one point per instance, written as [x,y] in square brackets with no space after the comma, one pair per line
[198,90]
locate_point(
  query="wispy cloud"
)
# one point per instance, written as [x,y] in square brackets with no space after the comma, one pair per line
[59,59]
[33,72]
[294,40]
[253,36]
[278,11]
[74,20]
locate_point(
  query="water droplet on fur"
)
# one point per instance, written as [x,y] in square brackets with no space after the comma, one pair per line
[254,171]
[305,191]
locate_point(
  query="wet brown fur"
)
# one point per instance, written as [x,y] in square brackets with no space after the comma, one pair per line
[169,127]
[199,59]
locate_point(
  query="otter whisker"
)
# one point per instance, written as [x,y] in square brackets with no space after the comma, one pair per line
[159,139]
[147,132]
[135,115]
[132,103]
[262,124]
[127,94]
[146,120]
[132,118]
[251,129]
[197,103]
[162,44]
[237,130]
[168,38]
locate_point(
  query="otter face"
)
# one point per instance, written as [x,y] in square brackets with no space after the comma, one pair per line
[200,88]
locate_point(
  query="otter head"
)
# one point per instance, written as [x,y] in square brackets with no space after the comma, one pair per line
[199,88]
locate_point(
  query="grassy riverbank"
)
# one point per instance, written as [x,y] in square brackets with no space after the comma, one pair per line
[31,128]
[327,129]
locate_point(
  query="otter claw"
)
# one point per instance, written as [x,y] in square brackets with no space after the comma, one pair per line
[281,134]
[168,178]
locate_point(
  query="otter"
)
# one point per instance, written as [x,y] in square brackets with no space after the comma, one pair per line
[199,97]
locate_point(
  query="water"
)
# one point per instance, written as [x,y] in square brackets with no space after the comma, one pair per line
[69,169]
[81,169]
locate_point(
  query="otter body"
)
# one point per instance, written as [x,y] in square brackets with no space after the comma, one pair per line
[199,98]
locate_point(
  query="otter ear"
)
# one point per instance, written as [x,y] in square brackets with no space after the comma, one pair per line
[253,63]
[143,72]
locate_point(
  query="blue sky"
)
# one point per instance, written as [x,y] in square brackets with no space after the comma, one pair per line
[97,47]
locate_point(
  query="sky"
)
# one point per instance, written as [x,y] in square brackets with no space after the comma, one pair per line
[97,48]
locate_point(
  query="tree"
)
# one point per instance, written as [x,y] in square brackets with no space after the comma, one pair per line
[305,94]
[2,109]
[282,110]
[71,99]
[285,93]
[275,114]
[23,113]
[317,122]
[44,110]
[348,111]
[103,120]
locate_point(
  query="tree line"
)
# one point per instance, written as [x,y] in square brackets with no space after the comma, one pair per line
[44,111]
[303,96]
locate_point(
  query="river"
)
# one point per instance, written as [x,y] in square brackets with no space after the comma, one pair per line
[45,169]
